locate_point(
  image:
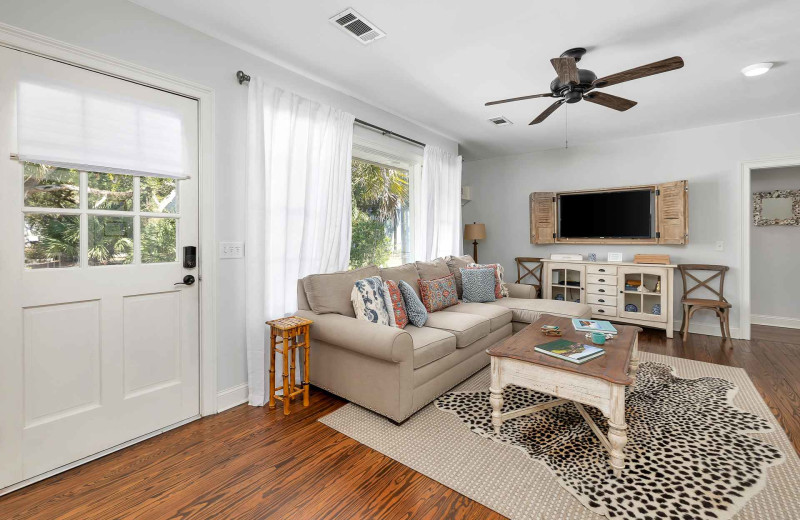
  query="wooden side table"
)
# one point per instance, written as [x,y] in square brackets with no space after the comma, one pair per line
[290,330]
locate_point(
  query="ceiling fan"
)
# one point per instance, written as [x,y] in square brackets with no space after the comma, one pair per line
[574,84]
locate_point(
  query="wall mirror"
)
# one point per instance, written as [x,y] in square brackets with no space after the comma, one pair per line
[776,208]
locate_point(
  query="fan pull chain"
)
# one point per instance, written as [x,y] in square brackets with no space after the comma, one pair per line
[566,126]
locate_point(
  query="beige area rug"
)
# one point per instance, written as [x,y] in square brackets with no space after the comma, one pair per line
[451,448]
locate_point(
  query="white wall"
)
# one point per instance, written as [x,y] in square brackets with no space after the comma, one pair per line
[708,157]
[774,253]
[127,31]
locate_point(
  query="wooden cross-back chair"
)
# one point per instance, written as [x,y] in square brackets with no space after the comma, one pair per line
[720,305]
[531,271]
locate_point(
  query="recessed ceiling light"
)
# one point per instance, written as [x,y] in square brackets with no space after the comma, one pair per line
[756,69]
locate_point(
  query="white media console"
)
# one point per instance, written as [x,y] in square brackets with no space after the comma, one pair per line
[641,294]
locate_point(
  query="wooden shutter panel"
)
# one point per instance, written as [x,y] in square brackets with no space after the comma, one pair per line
[543,218]
[673,212]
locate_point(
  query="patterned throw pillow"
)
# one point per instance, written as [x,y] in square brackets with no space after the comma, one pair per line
[417,314]
[438,294]
[369,302]
[397,308]
[478,284]
[500,289]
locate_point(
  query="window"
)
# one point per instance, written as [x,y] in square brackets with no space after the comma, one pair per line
[75,218]
[381,225]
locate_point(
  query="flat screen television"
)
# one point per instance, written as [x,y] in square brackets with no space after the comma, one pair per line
[609,214]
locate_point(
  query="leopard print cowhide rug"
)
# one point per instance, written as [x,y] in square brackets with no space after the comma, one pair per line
[687,456]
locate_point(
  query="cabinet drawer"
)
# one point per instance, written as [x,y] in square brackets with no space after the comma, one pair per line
[603,279]
[601,299]
[603,310]
[593,288]
[601,269]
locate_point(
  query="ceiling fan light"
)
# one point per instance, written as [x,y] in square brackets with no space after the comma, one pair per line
[756,69]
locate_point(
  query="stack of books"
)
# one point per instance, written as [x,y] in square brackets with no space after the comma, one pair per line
[582,325]
[570,351]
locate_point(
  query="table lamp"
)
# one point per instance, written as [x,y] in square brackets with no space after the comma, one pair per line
[475,232]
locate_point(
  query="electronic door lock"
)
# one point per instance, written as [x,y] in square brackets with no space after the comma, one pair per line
[189,257]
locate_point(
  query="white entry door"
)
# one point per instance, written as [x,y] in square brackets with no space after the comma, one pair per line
[99,346]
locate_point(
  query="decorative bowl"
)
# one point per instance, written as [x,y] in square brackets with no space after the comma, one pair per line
[631,308]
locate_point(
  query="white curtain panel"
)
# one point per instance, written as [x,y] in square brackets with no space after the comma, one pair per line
[298,208]
[436,205]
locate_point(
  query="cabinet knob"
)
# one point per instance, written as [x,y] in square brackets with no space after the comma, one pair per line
[602,270]
[601,310]
[601,300]
[602,280]
[602,290]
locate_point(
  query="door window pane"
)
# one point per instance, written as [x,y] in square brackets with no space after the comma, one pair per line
[49,187]
[158,195]
[110,240]
[110,191]
[52,240]
[158,240]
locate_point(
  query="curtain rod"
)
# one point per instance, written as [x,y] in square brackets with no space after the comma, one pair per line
[242,77]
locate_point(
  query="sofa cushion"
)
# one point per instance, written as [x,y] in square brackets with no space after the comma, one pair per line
[438,294]
[406,272]
[528,311]
[479,285]
[467,328]
[416,312]
[432,270]
[330,293]
[497,316]
[455,263]
[430,344]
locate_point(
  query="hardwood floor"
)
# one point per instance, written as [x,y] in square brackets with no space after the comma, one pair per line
[254,463]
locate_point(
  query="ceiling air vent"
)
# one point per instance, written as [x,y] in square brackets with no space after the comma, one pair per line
[357,26]
[500,121]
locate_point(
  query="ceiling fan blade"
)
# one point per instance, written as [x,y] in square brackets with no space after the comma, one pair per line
[544,115]
[567,70]
[657,67]
[509,100]
[607,100]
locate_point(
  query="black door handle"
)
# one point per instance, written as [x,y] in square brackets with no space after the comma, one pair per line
[187,280]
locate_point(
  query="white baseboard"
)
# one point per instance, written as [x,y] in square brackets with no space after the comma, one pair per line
[775,321]
[231,397]
[706,329]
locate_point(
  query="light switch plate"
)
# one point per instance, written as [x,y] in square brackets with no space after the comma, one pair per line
[231,249]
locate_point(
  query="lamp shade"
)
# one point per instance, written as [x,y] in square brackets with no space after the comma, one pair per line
[474,231]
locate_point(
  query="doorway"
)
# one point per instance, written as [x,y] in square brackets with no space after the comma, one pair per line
[760,177]
[101,338]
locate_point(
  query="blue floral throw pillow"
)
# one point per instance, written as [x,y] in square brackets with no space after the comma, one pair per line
[369,300]
[417,314]
[478,285]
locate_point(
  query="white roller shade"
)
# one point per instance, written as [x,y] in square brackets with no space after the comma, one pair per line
[102,124]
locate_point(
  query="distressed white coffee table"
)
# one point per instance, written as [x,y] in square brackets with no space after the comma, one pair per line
[600,382]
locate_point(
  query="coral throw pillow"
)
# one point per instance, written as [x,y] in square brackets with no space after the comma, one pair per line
[398,306]
[369,302]
[438,294]
[500,289]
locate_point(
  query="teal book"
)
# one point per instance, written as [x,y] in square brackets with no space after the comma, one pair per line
[583,325]
[570,351]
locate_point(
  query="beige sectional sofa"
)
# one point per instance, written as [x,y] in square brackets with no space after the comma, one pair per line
[393,371]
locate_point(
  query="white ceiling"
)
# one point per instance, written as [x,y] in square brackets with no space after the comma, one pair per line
[442,60]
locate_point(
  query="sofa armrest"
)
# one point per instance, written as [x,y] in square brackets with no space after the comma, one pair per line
[521,290]
[373,340]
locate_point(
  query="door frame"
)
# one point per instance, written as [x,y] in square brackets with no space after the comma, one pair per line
[747,168]
[46,47]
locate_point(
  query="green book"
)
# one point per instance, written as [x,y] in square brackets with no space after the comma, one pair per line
[570,350]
